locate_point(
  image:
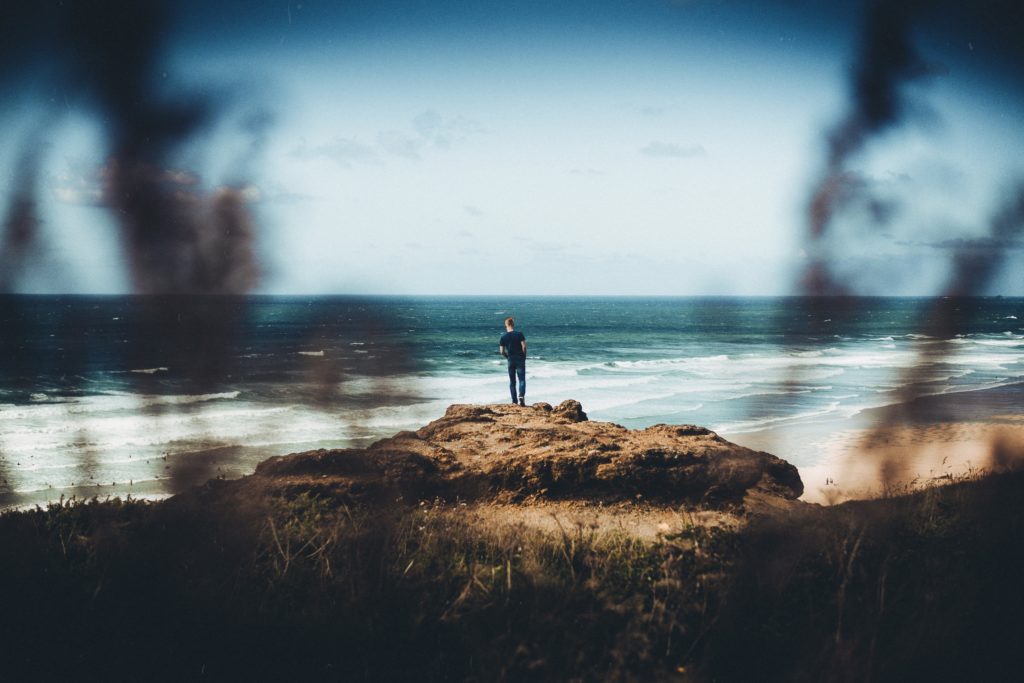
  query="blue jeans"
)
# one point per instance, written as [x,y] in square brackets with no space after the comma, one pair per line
[517,367]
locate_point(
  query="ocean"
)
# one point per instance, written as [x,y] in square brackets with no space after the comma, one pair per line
[115,396]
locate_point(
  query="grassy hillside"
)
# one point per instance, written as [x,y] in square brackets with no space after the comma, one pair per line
[210,586]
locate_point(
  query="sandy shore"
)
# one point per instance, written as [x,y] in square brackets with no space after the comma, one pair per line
[885,450]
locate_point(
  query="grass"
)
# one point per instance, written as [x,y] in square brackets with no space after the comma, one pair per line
[923,586]
[301,586]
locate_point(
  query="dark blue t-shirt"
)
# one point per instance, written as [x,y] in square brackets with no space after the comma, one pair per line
[512,342]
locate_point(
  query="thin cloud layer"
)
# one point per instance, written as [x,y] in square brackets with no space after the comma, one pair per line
[428,130]
[657,149]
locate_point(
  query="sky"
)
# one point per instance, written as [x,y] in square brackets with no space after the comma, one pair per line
[634,148]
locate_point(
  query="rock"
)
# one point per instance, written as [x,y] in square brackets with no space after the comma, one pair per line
[571,410]
[511,453]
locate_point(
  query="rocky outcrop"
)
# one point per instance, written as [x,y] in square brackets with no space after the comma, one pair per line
[514,454]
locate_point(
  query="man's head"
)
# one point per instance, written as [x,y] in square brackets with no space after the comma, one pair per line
[510,324]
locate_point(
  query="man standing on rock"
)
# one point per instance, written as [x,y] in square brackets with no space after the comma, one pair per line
[513,346]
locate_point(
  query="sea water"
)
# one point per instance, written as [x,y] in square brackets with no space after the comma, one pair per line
[144,395]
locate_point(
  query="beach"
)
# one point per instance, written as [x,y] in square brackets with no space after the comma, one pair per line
[901,447]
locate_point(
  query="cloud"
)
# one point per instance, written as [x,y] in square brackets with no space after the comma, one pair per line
[587,171]
[669,150]
[472,210]
[399,144]
[279,194]
[427,123]
[428,129]
[545,248]
[442,132]
[343,151]
[651,111]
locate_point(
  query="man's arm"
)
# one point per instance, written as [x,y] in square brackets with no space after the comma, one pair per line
[501,350]
[524,348]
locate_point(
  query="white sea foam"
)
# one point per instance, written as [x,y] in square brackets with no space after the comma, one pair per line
[550,370]
[318,354]
[150,371]
[666,362]
[808,354]
[757,365]
[387,419]
[1011,343]
[759,424]
[72,410]
[997,359]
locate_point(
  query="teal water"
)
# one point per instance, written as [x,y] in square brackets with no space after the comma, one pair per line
[111,395]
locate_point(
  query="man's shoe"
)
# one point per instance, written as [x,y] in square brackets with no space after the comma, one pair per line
[515,402]
[522,401]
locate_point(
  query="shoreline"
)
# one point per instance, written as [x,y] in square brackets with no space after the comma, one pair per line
[901,446]
[897,447]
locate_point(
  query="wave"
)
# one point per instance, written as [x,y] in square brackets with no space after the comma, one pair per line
[1016,342]
[318,354]
[394,417]
[104,441]
[182,399]
[614,403]
[796,361]
[996,359]
[150,371]
[817,353]
[549,369]
[109,402]
[758,424]
[665,362]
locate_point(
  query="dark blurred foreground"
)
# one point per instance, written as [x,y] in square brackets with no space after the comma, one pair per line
[210,587]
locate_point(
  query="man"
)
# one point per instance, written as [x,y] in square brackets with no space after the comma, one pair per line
[513,346]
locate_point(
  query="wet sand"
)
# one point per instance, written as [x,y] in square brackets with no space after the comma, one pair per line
[901,447]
